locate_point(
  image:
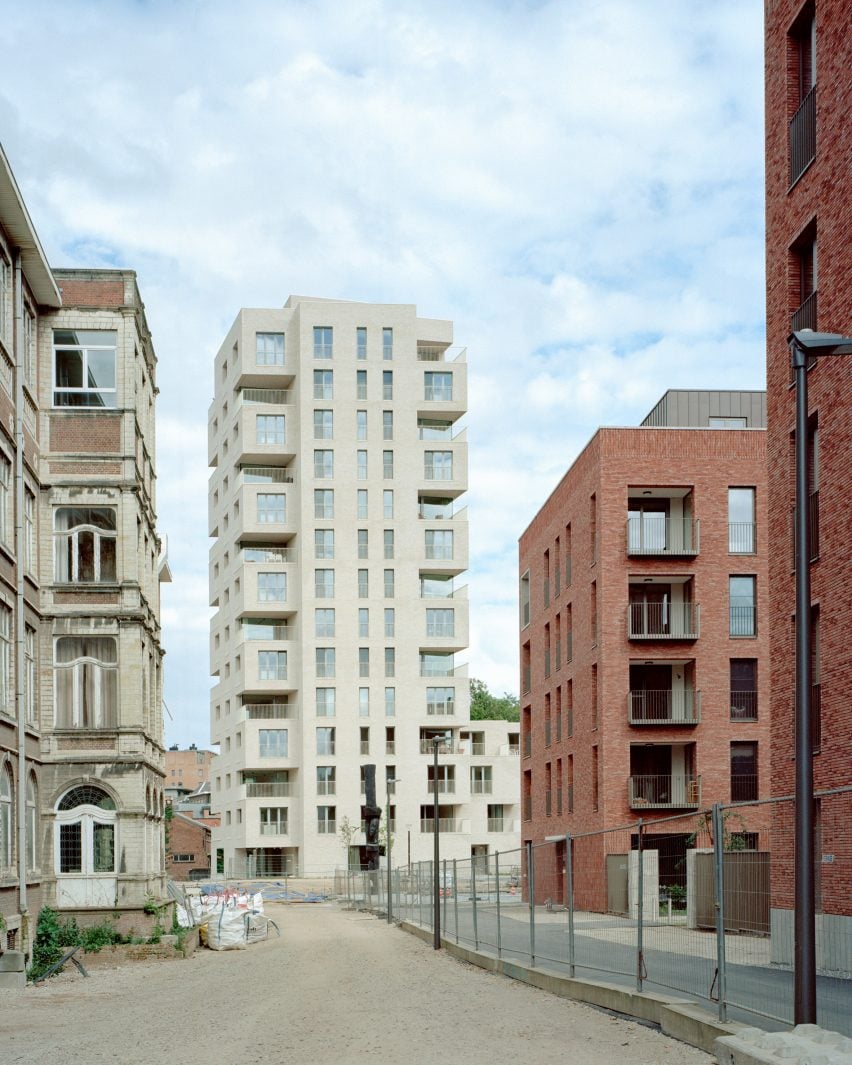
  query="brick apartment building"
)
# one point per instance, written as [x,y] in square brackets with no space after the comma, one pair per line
[81,728]
[809,285]
[188,847]
[186,770]
[643,635]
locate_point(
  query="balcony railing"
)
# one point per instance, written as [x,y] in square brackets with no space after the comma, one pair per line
[665,536]
[664,707]
[265,632]
[803,137]
[326,787]
[437,473]
[527,679]
[481,787]
[251,554]
[277,790]
[278,397]
[743,620]
[558,801]
[432,670]
[440,629]
[743,706]
[267,475]
[495,824]
[447,707]
[326,828]
[548,802]
[741,537]
[527,744]
[805,317]
[445,824]
[271,829]
[570,798]
[445,787]
[528,807]
[270,711]
[438,393]
[444,747]
[658,791]
[743,787]
[662,621]
[477,748]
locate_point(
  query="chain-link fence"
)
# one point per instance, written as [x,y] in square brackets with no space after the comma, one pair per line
[698,904]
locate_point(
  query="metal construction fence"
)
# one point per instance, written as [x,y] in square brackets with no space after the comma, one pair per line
[699,904]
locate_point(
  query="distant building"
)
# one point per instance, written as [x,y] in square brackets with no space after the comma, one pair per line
[81,561]
[188,851]
[186,770]
[809,286]
[644,632]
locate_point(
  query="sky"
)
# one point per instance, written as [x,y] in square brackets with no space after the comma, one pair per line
[578,186]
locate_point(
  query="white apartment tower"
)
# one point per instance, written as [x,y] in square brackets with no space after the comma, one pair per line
[335,576]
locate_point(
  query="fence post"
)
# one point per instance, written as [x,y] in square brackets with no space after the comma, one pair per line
[640,884]
[456,898]
[569,900]
[473,894]
[719,885]
[444,885]
[419,897]
[531,893]
[497,884]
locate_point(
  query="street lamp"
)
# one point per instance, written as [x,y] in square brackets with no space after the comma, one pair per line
[390,784]
[804,345]
[436,860]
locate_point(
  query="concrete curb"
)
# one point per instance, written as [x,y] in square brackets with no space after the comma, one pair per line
[677,1017]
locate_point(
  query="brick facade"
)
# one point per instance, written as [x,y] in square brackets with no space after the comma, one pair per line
[817,206]
[188,851]
[590,685]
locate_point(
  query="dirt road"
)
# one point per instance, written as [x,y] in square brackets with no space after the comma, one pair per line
[338,987]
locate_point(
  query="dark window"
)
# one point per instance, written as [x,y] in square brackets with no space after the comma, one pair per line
[743,772]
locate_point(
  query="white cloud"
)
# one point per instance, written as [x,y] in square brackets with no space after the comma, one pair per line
[578,185]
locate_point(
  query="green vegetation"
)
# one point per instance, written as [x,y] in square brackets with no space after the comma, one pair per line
[55,937]
[487,707]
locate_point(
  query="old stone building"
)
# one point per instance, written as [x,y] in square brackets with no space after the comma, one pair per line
[81,729]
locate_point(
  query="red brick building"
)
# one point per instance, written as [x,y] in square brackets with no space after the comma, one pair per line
[809,285]
[644,636]
[188,851]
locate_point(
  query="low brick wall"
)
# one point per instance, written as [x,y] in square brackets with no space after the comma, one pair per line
[126,953]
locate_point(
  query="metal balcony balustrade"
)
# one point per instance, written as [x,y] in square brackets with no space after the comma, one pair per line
[270,711]
[743,706]
[430,670]
[281,789]
[445,787]
[438,393]
[264,632]
[267,475]
[664,791]
[663,536]
[495,824]
[481,787]
[663,707]
[444,747]
[743,787]
[273,829]
[326,828]
[805,316]
[743,620]
[742,539]
[477,748]
[445,824]
[326,787]
[276,397]
[251,554]
[432,472]
[662,621]
[440,628]
[548,802]
[442,709]
[803,136]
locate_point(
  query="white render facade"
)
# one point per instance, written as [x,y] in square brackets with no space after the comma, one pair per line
[336,577]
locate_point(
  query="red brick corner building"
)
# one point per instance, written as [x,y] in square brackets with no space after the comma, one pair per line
[644,637]
[809,285]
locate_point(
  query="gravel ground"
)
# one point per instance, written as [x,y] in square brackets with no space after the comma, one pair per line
[337,987]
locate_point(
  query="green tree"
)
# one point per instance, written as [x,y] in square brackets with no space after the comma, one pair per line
[487,707]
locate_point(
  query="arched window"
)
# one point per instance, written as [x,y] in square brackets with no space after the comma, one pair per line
[86,838]
[32,822]
[7,821]
[86,671]
[85,544]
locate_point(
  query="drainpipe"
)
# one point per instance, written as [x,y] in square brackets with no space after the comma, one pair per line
[20,556]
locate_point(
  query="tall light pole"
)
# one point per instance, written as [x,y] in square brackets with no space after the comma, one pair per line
[390,784]
[805,345]
[436,859]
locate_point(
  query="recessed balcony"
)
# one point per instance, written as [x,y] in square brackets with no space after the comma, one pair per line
[660,522]
[654,792]
[661,608]
[663,707]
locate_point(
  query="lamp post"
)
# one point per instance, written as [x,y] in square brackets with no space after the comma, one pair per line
[436,859]
[390,784]
[805,344]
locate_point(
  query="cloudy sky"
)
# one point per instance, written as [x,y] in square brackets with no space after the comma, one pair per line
[577,185]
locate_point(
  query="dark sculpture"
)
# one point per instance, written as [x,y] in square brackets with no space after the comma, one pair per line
[371,814]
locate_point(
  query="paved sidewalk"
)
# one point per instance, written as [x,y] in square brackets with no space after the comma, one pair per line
[339,987]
